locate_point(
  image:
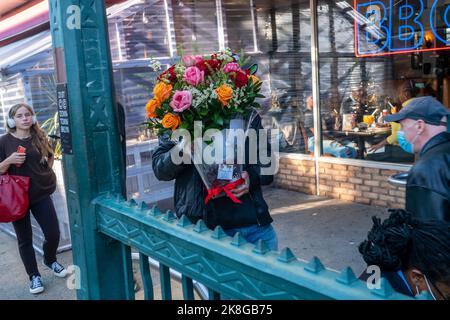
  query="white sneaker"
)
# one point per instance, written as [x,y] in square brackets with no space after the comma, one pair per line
[58,269]
[36,285]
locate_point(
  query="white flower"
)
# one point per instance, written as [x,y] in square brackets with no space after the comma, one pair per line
[155,64]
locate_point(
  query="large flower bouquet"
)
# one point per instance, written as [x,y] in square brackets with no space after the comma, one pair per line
[217,90]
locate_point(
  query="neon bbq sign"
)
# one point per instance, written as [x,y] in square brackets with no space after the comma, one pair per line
[393,27]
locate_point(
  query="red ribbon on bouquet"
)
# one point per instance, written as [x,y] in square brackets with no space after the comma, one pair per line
[227,189]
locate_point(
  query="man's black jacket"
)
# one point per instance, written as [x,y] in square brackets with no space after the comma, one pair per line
[428,185]
[189,193]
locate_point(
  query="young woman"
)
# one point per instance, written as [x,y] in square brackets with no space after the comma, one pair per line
[413,255]
[36,162]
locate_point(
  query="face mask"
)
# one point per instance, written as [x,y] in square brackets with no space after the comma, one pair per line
[428,286]
[404,144]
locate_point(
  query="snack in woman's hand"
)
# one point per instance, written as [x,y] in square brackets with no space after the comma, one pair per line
[20,149]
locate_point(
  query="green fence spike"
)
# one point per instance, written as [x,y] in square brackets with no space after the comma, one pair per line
[119,197]
[347,276]
[184,221]
[218,233]
[154,211]
[261,247]
[200,226]
[384,290]
[315,265]
[132,203]
[143,206]
[286,256]
[238,240]
[169,216]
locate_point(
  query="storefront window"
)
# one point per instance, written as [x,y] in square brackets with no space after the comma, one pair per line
[133,89]
[399,52]
[196,26]
[278,37]
[139,30]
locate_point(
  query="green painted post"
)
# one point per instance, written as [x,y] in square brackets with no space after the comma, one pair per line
[146,277]
[95,165]
[188,288]
[164,279]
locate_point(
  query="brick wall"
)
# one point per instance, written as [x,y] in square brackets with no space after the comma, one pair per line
[351,182]
[297,175]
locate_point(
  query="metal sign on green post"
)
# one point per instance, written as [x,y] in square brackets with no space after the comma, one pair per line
[82,56]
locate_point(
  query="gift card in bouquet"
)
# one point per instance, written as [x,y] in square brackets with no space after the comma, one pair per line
[225,172]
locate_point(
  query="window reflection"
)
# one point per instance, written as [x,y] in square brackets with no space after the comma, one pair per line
[363,90]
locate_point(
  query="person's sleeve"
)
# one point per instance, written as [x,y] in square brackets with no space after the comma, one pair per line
[254,170]
[163,166]
[392,139]
[424,203]
[2,151]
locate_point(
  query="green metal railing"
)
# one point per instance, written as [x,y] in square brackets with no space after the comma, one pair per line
[226,266]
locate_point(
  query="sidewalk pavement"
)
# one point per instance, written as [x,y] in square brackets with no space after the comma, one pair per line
[310,225]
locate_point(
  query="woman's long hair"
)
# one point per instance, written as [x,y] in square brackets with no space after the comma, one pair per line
[38,136]
[401,242]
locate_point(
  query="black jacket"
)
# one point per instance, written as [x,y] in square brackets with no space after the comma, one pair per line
[428,185]
[189,193]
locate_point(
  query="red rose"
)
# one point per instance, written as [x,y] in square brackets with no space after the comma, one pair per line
[169,74]
[212,63]
[240,79]
[202,66]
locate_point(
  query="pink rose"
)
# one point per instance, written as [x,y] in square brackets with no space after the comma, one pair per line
[231,67]
[188,61]
[181,101]
[193,76]
[198,59]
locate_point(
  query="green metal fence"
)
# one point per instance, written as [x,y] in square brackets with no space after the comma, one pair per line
[227,266]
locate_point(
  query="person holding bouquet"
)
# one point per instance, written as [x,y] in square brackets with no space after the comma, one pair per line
[212,90]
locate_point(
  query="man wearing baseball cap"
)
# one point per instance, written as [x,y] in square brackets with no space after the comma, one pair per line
[424,123]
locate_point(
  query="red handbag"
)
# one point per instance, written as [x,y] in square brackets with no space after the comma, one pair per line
[13,197]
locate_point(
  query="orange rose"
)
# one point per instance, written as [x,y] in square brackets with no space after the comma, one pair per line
[171,121]
[224,94]
[162,91]
[254,79]
[150,108]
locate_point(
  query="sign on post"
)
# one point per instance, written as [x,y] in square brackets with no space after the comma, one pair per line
[64,120]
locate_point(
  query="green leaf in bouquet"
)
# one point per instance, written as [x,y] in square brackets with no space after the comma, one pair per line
[217,119]
[253,68]
[184,125]
[188,117]
[203,112]
[159,112]
[260,96]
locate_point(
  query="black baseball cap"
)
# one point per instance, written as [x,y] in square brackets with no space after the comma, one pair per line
[427,108]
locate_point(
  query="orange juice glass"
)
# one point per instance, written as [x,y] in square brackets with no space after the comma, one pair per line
[368,119]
